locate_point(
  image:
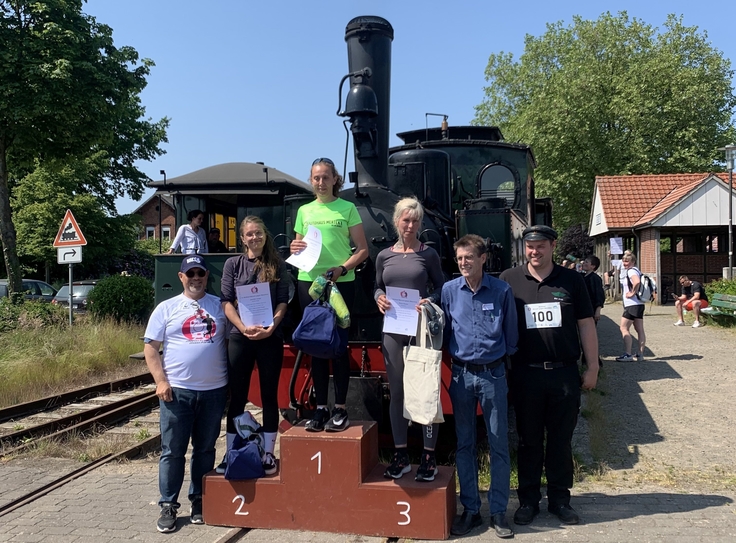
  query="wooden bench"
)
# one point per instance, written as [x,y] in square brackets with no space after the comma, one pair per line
[721,305]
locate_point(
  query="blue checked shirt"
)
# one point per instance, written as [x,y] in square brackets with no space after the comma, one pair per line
[481,326]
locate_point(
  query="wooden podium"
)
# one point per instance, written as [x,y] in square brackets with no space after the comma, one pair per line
[332,482]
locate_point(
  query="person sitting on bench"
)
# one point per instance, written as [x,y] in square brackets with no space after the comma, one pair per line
[693,298]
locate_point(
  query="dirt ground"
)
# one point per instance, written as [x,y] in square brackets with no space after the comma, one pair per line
[671,419]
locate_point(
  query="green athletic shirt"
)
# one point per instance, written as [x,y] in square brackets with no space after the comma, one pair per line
[333,220]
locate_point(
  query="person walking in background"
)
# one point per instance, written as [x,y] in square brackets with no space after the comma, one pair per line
[191,384]
[597,295]
[633,309]
[407,264]
[481,333]
[693,298]
[191,237]
[251,345]
[339,222]
[554,316]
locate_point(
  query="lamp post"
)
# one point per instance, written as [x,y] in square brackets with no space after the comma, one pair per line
[730,157]
[160,226]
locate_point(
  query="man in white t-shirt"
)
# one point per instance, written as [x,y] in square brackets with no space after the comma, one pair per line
[633,310]
[191,383]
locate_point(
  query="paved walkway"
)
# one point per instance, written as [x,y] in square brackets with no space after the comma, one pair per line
[687,498]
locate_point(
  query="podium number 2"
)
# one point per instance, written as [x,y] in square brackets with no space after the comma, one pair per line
[405,513]
[242,503]
[318,456]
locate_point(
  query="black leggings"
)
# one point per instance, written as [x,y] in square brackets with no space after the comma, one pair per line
[242,355]
[341,364]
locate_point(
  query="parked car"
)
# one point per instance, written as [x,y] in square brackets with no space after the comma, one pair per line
[79,295]
[32,288]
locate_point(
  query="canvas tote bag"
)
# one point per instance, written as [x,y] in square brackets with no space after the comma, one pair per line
[422,376]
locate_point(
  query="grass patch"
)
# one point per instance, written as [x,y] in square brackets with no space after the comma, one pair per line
[42,362]
[84,448]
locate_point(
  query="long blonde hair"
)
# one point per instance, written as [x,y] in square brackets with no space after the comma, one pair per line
[267,266]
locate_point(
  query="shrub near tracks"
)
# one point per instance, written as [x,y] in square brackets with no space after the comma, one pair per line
[29,315]
[123,298]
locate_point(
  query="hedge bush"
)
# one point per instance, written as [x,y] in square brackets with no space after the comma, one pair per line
[123,298]
[721,286]
[30,315]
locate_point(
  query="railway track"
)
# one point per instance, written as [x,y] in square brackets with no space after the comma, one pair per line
[51,402]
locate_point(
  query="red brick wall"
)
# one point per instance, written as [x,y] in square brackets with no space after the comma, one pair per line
[149,215]
[649,247]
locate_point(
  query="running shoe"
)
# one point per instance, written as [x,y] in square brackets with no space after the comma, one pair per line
[167,518]
[697,324]
[680,323]
[427,468]
[399,466]
[269,463]
[626,357]
[195,513]
[338,422]
[317,423]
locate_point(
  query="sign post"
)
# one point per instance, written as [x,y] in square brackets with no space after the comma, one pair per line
[69,241]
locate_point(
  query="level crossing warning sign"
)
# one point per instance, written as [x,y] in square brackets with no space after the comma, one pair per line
[69,232]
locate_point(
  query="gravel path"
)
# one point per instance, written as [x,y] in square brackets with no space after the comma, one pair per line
[671,419]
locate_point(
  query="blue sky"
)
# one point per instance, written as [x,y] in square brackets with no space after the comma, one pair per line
[246,81]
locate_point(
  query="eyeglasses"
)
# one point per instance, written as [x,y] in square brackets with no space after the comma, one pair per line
[198,273]
[253,235]
[325,160]
[459,259]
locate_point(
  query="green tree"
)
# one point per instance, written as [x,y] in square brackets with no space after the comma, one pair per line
[613,96]
[40,200]
[67,91]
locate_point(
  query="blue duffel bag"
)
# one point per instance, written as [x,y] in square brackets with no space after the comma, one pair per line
[318,334]
[244,460]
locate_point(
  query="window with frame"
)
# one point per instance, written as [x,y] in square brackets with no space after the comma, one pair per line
[150,232]
[166,232]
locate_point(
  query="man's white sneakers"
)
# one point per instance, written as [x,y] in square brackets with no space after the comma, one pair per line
[680,323]
[697,324]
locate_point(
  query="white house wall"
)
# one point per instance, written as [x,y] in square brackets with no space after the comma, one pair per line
[707,205]
[598,218]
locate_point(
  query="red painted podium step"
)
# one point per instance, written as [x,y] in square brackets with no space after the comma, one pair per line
[332,482]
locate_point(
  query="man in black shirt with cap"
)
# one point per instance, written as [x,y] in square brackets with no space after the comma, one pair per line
[555,315]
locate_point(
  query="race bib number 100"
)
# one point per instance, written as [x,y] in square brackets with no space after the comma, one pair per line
[547,315]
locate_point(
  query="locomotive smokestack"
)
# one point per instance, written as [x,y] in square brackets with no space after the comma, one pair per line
[367,104]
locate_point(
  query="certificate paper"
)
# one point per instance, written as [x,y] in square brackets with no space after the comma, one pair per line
[254,304]
[403,317]
[306,260]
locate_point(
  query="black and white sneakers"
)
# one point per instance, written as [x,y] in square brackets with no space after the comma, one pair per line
[338,422]
[166,518]
[317,423]
[399,466]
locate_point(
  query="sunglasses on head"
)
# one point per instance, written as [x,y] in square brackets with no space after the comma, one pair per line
[198,273]
[325,160]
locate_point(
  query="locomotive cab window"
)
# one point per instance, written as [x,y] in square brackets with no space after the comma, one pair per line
[498,181]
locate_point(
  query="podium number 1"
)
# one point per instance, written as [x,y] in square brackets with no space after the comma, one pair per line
[318,456]
[405,513]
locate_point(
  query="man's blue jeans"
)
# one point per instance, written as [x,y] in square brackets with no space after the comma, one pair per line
[195,414]
[490,389]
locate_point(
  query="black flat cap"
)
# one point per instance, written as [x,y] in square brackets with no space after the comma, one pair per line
[539,232]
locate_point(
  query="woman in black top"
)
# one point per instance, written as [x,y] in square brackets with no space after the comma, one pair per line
[248,345]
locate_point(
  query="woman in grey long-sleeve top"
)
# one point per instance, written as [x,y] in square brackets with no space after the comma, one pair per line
[407,264]
[250,345]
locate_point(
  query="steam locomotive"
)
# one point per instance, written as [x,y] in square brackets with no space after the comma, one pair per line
[468,179]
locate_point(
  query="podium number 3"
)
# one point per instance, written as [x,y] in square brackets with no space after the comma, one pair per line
[405,513]
[318,456]
[242,503]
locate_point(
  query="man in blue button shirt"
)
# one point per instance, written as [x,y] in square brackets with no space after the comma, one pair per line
[480,316]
